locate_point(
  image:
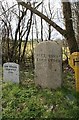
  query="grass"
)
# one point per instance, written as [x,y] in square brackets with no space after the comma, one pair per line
[0,91]
[28,101]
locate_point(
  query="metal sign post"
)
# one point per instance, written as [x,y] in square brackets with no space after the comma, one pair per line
[74,63]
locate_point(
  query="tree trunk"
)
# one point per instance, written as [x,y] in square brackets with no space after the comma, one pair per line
[76,10]
[29,27]
[16,34]
[49,37]
[71,40]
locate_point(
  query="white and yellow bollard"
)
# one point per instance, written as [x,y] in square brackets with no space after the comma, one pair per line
[74,63]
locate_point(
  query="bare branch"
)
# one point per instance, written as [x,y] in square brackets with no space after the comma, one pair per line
[58,28]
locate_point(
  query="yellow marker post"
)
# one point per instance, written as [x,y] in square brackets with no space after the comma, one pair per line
[74,63]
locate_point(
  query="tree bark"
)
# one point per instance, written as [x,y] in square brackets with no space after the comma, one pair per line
[71,40]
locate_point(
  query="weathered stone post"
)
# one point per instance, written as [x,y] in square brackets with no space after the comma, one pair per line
[48,65]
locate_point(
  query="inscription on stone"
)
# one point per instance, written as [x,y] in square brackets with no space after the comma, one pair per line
[11,72]
[48,65]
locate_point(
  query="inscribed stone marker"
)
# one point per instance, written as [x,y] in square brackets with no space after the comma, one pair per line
[11,72]
[48,65]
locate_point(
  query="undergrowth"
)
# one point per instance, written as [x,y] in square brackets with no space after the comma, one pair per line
[27,101]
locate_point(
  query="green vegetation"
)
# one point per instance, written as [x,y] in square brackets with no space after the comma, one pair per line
[28,101]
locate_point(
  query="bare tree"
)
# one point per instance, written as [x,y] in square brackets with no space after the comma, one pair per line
[50,13]
[19,31]
[29,27]
[6,19]
[42,23]
[22,29]
[68,33]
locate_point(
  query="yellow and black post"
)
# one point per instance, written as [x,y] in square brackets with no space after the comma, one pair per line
[74,63]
